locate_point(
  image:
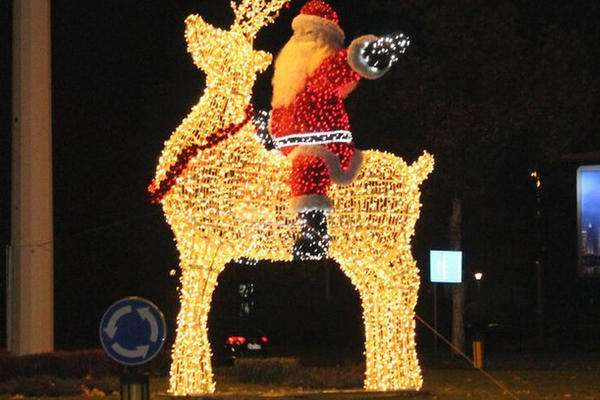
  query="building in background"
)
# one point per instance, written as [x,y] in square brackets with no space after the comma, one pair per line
[588,209]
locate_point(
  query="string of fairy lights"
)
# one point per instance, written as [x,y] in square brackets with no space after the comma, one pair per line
[383,52]
[230,200]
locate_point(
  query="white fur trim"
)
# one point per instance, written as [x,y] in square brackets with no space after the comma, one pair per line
[336,173]
[310,202]
[305,21]
[358,63]
[299,139]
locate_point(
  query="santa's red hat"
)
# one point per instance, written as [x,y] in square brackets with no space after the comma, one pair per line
[320,16]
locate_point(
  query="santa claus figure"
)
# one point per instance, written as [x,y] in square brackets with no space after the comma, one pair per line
[313,74]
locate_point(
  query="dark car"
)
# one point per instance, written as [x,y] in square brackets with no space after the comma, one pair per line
[247,344]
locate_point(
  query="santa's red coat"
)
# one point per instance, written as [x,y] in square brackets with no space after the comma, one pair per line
[318,107]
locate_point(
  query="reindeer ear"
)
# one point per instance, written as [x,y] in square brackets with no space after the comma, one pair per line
[201,38]
[262,60]
[423,166]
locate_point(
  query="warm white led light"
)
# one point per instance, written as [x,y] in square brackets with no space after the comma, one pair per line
[389,46]
[226,198]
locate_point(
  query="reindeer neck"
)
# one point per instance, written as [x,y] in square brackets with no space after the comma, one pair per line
[225,98]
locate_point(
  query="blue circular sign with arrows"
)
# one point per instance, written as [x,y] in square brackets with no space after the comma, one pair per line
[132,331]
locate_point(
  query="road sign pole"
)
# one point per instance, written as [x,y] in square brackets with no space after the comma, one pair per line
[135,386]
[132,332]
[435,320]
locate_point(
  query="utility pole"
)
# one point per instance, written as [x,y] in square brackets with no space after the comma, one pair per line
[458,289]
[30,305]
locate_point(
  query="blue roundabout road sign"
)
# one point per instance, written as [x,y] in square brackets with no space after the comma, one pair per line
[132,331]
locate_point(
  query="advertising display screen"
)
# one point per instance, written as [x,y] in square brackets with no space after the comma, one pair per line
[446,266]
[588,209]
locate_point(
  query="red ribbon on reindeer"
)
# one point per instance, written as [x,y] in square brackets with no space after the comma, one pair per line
[159,190]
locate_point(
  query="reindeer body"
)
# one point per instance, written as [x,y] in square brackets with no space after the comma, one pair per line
[228,199]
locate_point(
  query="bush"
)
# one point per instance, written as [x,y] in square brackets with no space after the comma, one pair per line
[345,377]
[74,364]
[107,385]
[52,386]
[287,371]
[40,386]
[265,370]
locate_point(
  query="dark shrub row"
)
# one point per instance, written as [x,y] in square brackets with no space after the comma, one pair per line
[53,386]
[287,371]
[344,377]
[75,364]
[265,370]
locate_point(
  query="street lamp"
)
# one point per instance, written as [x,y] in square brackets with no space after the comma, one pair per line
[539,253]
[478,276]
[478,340]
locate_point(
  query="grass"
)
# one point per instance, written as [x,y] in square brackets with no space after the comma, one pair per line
[450,384]
[439,384]
[525,384]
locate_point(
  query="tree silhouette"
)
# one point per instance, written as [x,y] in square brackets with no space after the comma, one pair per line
[487,86]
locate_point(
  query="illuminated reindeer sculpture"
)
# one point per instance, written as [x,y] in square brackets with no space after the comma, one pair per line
[225,197]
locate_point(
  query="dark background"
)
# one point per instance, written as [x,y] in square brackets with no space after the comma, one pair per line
[122,81]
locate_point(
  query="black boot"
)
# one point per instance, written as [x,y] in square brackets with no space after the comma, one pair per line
[313,242]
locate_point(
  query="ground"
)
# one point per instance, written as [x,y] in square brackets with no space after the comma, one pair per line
[440,384]
[536,376]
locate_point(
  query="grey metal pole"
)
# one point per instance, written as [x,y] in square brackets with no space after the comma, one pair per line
[9,296]
[539,271]
[435,319]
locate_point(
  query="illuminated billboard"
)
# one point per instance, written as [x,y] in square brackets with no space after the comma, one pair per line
[445,266]
[588,218]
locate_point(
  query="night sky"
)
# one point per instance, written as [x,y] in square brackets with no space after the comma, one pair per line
[123,80]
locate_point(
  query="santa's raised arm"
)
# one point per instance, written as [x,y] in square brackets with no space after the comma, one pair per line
[309,123]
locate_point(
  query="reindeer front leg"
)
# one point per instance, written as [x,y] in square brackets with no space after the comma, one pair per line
[191,370]
[388,313]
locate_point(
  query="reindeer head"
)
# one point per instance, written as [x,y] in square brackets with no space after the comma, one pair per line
[229,55]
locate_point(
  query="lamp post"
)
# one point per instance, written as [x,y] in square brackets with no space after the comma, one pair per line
[478,341]
[478,276]
[538,261]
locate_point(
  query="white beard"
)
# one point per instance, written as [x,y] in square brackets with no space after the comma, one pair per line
[295,62]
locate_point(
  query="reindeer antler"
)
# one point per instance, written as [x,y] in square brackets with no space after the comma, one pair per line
[252,15]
